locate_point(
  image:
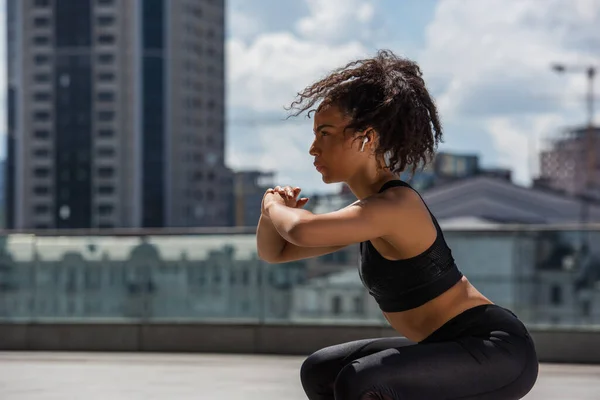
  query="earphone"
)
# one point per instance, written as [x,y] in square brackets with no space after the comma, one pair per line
[365,140]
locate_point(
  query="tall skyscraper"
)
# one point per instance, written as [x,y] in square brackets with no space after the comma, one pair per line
[116,114]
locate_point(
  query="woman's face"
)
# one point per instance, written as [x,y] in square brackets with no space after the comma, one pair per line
[337,153]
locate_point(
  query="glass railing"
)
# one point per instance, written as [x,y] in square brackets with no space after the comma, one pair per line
[549,277]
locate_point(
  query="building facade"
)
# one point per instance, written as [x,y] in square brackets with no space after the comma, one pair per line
[566,167]
[115,114]
[248,192]
[538,275]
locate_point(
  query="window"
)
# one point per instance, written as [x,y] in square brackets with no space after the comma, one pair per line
[106,39]
[106,116]
[41,153]
[41,22]
[106,133]
[105,2]
[359,305]
[41,209]
[106,20]
[106,189]
[41,40]
[41,96]
[41,190]
[41,3]
[106,77]
[41,59]
[104,97]
[105,172]
[336,305]
[106,151]
[41,116]
[41,78]
[556,295]
[92,277]
[105,209]
[41,134]
[105,58]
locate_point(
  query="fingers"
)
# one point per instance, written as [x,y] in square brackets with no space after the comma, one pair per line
[290,195]
[302,202]
[288,191]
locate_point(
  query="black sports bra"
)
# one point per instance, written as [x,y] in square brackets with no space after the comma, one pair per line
[409,283]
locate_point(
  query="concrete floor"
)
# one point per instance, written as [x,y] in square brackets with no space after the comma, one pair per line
[91,376]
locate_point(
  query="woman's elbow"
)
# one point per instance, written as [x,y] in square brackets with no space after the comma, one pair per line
[267,257]
[301,236]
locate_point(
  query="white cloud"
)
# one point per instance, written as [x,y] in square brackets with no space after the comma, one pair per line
[517,141]
[490,61]
[265,72]
[243,25]
[336,20]
[280,147]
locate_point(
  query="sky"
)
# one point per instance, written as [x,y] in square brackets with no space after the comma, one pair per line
[486,62]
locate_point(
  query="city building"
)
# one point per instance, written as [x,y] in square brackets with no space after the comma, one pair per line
[182,277]
[116,114]
[565,165]
[510,268]
[2,192]
[498,200]
[448,167]
[248,190]
[540,275]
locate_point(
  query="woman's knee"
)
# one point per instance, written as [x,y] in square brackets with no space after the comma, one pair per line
[357,381]
[350,382]
[317,373]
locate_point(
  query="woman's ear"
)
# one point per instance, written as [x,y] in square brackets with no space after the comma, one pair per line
[372,136]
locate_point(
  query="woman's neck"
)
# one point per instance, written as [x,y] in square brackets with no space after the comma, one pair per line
[367,183]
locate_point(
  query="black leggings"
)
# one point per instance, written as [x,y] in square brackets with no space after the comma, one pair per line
[483,353]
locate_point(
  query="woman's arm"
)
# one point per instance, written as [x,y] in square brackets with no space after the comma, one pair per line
[364,220]
[274,249]
[269,242]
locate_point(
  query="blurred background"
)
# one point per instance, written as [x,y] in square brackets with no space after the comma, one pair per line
[138,137]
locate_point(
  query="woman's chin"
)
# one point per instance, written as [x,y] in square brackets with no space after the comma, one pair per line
[329,179]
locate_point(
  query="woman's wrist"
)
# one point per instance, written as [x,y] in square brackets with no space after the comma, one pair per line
[269,206]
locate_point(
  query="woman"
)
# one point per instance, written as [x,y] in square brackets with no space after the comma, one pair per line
[374,119]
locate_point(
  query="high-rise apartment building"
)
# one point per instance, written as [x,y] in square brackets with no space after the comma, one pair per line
[566,167]
[116,114]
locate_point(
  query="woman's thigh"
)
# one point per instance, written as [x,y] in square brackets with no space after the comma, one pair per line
[501,366]
[320,369]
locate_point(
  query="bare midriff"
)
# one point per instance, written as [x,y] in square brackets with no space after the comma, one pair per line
[418,323]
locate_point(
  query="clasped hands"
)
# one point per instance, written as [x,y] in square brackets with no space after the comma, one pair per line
[286,195]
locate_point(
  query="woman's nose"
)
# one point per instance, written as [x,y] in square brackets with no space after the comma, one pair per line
[313,151]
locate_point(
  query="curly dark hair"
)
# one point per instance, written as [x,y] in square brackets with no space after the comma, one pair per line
[387,93]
